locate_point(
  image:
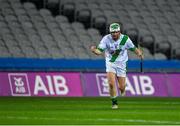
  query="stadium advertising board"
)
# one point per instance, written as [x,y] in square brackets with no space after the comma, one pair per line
[174,84]
[136,85]
[92,84]
[95,84]
[40,84]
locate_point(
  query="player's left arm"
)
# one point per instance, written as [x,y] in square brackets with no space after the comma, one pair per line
[139,53]
[133,48]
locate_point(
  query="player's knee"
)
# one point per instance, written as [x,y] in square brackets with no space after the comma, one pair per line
[121,87]
[111,85]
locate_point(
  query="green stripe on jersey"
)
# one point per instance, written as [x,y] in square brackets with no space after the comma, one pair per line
[123,41]
[116,54]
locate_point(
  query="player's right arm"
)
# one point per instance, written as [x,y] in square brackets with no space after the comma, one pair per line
[96,50]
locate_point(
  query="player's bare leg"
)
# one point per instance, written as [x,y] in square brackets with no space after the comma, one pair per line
[122,85]
[112,89]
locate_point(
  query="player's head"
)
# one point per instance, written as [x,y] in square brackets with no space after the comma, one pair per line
[114,29]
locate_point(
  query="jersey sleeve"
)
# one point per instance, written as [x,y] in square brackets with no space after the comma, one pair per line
[130,45]
[102,45]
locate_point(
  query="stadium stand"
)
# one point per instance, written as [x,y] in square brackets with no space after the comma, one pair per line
[66,28]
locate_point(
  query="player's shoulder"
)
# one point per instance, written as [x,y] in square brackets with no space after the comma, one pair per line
[106,37]
[124,35]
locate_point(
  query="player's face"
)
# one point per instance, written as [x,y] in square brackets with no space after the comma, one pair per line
[115,35]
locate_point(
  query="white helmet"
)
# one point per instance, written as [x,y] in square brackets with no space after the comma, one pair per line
[114,27]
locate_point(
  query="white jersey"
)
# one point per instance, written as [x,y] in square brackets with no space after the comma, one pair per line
[116,51]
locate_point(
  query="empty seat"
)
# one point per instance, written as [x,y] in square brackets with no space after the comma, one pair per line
[133,34]
[37,18]
[16,5]
[43,52]
[84,16]
[4,30]
[53,4]
[127,26]
[55,52]
[160,56]
[8,37]
[80,32]
[68,9]
[177,53]
[100,23]
[68,32]
[92,32]
[63,43]
[23,18]
[68,52]
[48,41]
[2,42]
[24,42]
[147,40]
[10,18]
[61,18]
[147,54]
[93,5]
[20,11]
[77,25]
[32,13]
[29,6]
[85,38]
[64,26]
[60,37]
[163,46]
[45,12]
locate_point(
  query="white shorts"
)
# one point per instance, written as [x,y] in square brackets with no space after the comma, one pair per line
[118,70]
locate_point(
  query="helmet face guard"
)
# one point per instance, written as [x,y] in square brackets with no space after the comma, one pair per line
[114,27]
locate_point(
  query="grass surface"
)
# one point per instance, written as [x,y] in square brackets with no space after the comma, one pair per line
[49,110]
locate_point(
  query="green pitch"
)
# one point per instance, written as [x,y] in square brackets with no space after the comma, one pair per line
[49,110]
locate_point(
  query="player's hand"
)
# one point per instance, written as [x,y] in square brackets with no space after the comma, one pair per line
[141,56]
[139,53]
[92,48]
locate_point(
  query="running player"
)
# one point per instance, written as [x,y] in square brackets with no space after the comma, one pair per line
[115,46]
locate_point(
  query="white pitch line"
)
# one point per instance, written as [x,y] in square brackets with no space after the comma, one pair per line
[142,121]
[90,119]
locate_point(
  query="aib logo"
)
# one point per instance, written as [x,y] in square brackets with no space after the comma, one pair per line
[19,84]
[102,83]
